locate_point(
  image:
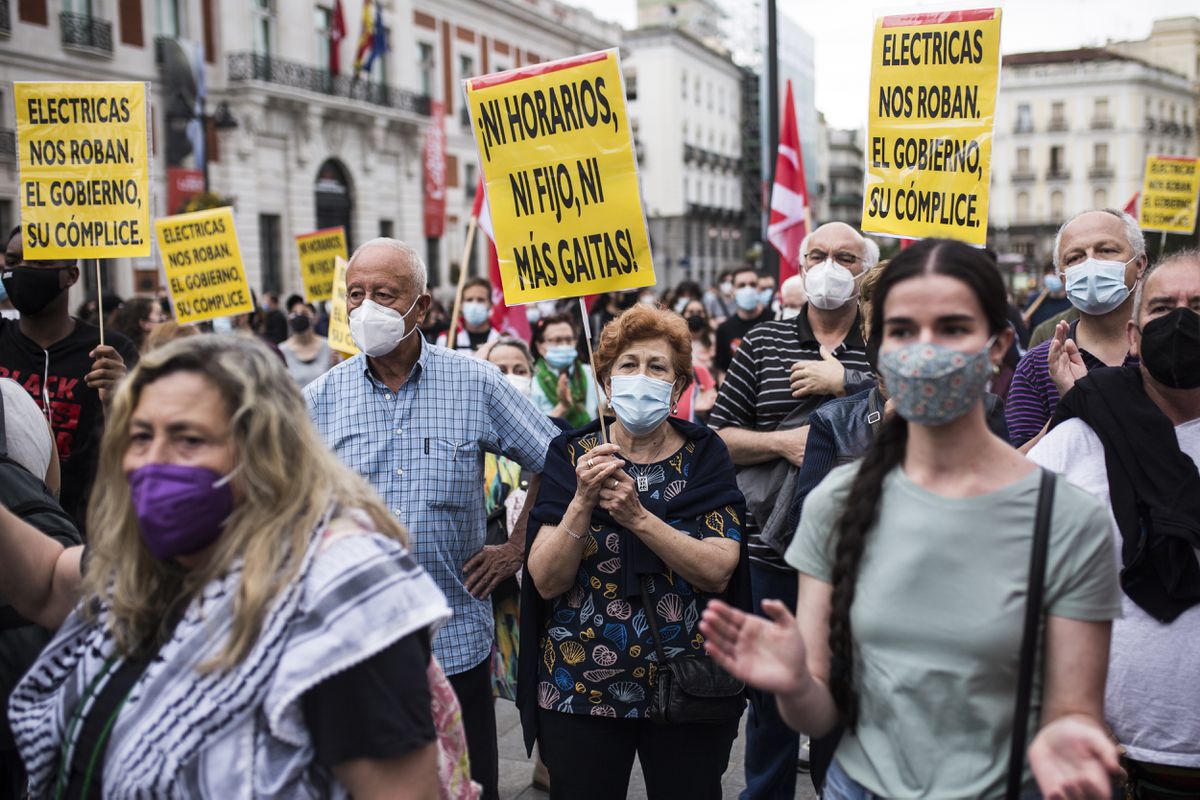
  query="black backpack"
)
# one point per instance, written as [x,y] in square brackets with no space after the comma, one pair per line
[28,497]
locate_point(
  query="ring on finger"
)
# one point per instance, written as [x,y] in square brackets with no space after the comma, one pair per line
[590,463]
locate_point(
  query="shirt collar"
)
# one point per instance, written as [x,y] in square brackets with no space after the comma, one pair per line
[853,336]
[413,376]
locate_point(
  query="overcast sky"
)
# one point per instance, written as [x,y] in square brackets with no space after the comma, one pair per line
[842,31]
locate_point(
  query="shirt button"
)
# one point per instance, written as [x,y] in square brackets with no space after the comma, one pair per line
[399,472]
[399,431]
[396,511]
[387,396]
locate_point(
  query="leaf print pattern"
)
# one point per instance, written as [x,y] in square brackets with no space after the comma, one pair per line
[598,655]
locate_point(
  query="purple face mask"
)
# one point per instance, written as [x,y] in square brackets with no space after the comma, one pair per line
[180,510]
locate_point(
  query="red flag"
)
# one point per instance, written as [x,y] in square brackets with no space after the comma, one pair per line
[511,321]
[788,224]
[337,32]
[907,243]
[434,159]
[1131,206]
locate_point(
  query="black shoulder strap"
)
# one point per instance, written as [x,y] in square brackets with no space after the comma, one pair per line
[1029,639]
[3,429]
[658,646]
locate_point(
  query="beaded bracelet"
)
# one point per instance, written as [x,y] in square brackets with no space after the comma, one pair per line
[577,537]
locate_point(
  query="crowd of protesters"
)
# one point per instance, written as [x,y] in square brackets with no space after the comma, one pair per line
[929,540]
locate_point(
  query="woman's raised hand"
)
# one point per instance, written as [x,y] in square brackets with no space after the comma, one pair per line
[592,469]
[767,654]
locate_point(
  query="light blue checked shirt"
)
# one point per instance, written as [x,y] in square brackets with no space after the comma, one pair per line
[422,449]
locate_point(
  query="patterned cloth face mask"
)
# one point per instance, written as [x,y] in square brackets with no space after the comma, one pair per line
[932,384]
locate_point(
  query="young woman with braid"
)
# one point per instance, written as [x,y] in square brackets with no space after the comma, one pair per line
[913,575]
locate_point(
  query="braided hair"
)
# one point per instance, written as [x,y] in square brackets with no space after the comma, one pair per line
[861,509]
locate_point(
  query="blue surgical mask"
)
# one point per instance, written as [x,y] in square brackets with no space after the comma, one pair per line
[640,403]
[746,298]
[475,313]
[1053,283]
[765,296]
[1096,287]
[561,356]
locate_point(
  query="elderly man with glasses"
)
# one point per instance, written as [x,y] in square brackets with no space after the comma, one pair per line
[783,370]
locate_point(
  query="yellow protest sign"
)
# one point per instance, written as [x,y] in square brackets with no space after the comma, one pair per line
[1169,194]
[85,181]
[205,274]
[318,250]
[556,150]
[929,130]
[339,317]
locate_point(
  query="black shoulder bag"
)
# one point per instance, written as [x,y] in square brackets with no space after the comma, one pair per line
[690,689]
[1030,637]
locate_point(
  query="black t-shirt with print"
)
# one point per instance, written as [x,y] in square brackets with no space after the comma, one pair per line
[55,377]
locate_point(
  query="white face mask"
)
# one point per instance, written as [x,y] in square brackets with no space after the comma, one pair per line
[378,330]
[829,285]
[727,288]
[522,383]
[789,313]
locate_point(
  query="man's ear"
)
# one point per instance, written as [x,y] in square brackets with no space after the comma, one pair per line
[1135,339]
[72,274]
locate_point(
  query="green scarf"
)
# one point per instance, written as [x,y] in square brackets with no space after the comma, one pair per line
[577,414]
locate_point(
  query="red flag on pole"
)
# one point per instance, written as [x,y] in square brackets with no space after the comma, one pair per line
[790,214]
[1131,206]
[504,319]
[337,32]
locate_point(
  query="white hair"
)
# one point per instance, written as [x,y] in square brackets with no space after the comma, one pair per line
[412,259]
[794,282]
[870,248]
[1133,234]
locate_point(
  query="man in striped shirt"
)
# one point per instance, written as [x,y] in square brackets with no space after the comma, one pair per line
[1101,256]
[787,368]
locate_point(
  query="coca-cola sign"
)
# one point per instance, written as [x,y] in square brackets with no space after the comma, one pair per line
[434,158]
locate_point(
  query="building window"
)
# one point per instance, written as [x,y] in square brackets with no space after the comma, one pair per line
[1058,116]
[425,67]
[1100,112]
[1023,166]
[269,252]
[380,69]
[466,67]
[1056,205]
[1022,206]
[83,7]
[323,22]
[1024,118]
[169,19]
[1057,160]
[387,228]
[696,91]
[683,86]
[264,26]
[470,180]
[1100,155]
[1100,198]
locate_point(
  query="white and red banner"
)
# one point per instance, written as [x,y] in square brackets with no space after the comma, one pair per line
[434,160]
[790,214]
[504,319]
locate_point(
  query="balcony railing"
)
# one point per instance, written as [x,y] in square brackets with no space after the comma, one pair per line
[85,32]
[1023,176]
[5,19]
[1102,123]
[8,145]
[1058,175]
[255,67]
[1100,172]
[1023,127]
[1058,124]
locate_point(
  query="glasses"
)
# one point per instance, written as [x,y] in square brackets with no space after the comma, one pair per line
[843,257]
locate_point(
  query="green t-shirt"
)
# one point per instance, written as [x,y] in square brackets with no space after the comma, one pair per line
[937,622]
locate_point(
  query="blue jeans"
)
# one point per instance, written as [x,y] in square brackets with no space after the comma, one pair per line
[840,786]
[771,746]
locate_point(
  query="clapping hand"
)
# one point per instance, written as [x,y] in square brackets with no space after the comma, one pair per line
[767,654]
[1064,361]
[592,469]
